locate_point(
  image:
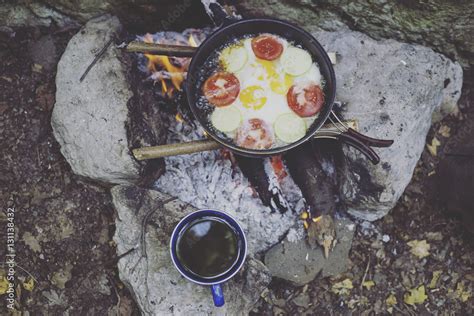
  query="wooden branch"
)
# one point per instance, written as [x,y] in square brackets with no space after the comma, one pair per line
[154,152]
[160,49]
[167,150]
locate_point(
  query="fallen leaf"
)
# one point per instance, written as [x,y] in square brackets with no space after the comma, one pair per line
[445,131]
[29,284]
[368,284]
[462,293]
[342,288]
[61,277]
[433,148]
[419,248]
[37,68]
[54,298]
[416,296]
[434,279]
[3,285]
[31,242]
[391,300]
[434,236]
[44,98]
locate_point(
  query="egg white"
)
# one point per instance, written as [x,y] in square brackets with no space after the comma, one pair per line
[253,73]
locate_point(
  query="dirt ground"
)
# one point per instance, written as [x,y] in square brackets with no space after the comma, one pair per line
[64,224]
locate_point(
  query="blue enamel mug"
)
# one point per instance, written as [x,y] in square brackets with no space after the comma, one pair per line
[239,246]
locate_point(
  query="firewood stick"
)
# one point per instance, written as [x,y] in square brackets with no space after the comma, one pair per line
[160,49]
[154,152]
[177,50]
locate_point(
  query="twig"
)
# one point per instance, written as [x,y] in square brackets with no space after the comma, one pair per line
[401,310]
[96,58]
[124,254]
[17,265]
[145,221]
[365,273]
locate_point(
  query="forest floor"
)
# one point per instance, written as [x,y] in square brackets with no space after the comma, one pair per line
[64,224]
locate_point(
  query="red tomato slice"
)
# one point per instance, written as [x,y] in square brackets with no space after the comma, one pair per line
[305,100]
[267,47]
[254,134]
[221,89]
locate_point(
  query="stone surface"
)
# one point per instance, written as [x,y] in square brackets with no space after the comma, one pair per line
[295,261]
[393,90]
[32,14]
[157,286]
[443,25]
[90,119]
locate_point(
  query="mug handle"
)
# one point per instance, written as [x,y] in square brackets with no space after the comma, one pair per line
[217,295]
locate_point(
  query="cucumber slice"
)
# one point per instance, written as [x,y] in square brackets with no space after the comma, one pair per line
[234,58]
[226,119]
[296,61]
[289,127]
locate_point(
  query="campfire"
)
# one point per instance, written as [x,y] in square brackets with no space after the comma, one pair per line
[169,71]
[268,179]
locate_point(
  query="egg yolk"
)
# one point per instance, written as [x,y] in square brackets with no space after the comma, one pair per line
[277,84]
[253,97]
[281,86]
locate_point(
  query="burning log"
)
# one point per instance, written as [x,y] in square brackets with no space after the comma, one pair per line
[254,170]
[313,168]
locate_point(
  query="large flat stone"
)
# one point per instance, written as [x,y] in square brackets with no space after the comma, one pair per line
[157,286]
[297,262]
[445,26]
[95,121]
[393,90]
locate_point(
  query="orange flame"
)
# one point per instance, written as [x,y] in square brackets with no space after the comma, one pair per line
[174,73]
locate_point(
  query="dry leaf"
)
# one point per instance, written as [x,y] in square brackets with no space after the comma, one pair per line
[434,236]
[416,296]
[37,68]
[462,293]
[29,284]
[3,284]
[368,284]
[342,288]
[391,300]
[433,148]
[419,248]
[444,131]
[31,242]
[434,279]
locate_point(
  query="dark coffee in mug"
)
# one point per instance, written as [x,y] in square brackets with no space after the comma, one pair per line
[208,247]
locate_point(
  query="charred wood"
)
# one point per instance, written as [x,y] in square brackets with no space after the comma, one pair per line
[254,170]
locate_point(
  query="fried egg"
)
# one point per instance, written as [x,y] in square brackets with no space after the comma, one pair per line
[264,84]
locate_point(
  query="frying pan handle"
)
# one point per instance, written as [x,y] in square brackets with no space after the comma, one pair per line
[374,142]
[360,146]
[219,15]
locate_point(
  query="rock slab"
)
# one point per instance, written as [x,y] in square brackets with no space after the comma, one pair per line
[157,286]
[89,117]
[445,26]
[295,261]
[393,90]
